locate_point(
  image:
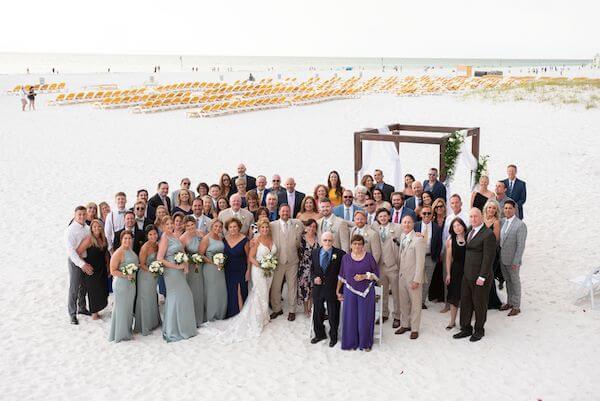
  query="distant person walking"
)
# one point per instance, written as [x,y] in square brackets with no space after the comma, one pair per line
[23,98]
[31,96]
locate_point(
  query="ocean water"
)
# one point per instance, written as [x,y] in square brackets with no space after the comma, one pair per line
[41,63]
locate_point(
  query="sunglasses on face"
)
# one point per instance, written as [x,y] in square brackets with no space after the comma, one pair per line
[426,213]
[369,204]
[348,197]
[439,206]
[140,208]
[276,180]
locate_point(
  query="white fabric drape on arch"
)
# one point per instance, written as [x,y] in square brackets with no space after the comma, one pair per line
[466,165]
[384,156]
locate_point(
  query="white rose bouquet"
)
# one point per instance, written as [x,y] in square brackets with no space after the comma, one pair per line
[129,269]
[196,259]
[156,268]
[219,260]
[268,264]
[180,258]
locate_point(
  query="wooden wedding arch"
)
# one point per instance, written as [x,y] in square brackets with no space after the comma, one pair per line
[397,136]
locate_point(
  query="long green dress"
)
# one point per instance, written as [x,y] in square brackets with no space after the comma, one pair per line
[121,322]
[195,280]
[179,318]
[215,288]
[147,317]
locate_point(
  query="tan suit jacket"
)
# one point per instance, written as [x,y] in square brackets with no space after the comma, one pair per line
[389,250]
[246,217]
[372,241]
[412,258]
[340,230]
[289,242]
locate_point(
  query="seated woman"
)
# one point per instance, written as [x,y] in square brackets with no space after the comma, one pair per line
[358,274]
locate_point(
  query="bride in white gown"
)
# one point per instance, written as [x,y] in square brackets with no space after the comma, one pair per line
[255,312]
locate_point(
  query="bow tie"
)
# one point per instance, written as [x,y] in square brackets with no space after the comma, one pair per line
[139,220]
[122,211]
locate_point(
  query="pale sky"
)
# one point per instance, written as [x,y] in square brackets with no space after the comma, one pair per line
[367,28]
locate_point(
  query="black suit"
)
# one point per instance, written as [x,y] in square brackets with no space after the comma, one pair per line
[139,237]
[479,262]
[155,202]
[326,292]
[250,183]
[282,200]
[387,191]
[436,240]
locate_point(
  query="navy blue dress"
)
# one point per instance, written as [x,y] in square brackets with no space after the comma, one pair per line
[236,264]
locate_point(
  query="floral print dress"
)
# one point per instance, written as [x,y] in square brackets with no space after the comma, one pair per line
[304,283]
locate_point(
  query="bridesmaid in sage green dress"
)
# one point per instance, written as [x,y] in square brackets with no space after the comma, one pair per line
[147,317]
[215,287]
[195,278]
[179,321]
[123,289]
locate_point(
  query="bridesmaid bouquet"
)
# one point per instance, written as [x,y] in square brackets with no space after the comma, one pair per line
[156,268]
[196,259]
[180,258]
[268,264]
[129,269]
[219,261]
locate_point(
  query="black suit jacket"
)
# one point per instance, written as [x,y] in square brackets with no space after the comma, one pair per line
[326,290]
[387,191]
[282,199]
[437,191]
[250,183]
[436,240]
[155,202]
[480,254]
[139,237]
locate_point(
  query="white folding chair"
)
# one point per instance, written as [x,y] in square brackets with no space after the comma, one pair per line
[379,312]
[588,284]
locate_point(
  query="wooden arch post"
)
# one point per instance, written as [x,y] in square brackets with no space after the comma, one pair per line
[397,137]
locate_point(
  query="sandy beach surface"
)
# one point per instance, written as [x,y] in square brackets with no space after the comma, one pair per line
[58,157]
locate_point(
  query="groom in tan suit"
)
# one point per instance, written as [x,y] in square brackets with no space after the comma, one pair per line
[412,276]
[287,234]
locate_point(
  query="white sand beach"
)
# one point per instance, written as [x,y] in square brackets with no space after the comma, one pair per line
[58,157]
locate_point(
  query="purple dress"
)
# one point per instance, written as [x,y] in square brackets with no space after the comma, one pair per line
[358,322]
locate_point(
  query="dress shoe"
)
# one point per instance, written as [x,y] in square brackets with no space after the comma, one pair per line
[475,337]
[74,320]
[414,335]
[505,307]
[367,349]
[514,312]
[317,339]
[291,317]
[423,306]
[396,324]
[402,330]
[332,342]
[84,312]
[275,314]
[462,334]
[385,318]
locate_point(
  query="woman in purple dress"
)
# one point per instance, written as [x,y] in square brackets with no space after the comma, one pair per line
[358,274]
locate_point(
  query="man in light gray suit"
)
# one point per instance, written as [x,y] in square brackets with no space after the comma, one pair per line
[287,234]
[372,240]
[335,225]
[513,234]
[246,217]
[389,234]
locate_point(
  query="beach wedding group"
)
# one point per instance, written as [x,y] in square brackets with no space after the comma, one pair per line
[220,257]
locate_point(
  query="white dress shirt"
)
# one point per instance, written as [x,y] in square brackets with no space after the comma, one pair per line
[75,234]
[291,199]
[115,221]
[505,228]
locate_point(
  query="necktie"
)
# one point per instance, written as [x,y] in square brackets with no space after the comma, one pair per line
[285,227]
[396,213]
[510,186]
[324,261]
[382,234]
[404,242]
[425,232]
[325,225]
[347,214]
[272,216]
[504,230]
[260,195]
[471,235]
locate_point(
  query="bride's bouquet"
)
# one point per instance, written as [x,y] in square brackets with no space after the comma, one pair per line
[180,258]
[156,268]
[129,269]
[268,264]
[196,259]
[219,261]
